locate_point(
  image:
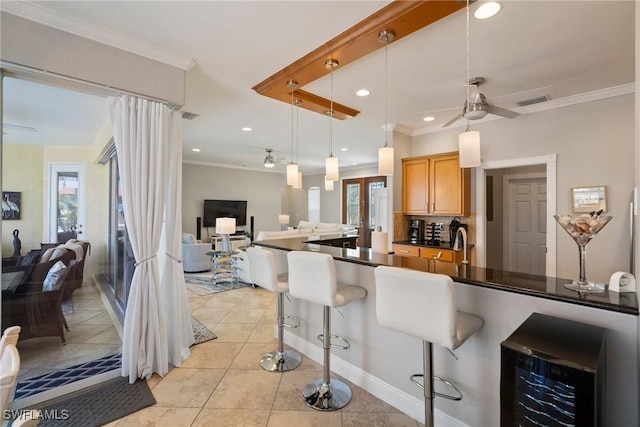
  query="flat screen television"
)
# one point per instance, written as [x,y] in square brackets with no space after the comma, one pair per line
[224,208]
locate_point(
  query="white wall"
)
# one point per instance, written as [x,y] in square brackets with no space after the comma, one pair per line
[30,44]
[594,142]
[261,190]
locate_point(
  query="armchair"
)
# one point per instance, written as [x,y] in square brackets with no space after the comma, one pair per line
[194,255]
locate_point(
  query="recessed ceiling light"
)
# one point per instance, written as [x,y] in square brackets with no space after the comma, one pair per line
[247,129]
[344,149]
[429,119]
[354,164]
[487,10]
[197,150]
[363,92]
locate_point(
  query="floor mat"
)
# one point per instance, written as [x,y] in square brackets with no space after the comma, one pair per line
[60,377]
[201,332]
[98,405]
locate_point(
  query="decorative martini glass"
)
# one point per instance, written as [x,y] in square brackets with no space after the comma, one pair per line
[583,228]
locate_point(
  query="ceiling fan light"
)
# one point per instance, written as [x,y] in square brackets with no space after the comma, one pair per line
[469,149]
[331,168]
[328,184]
[475,114]
[269,161]
[292,174]
[385,160]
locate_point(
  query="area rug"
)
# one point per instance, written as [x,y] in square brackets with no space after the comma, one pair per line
[67,307]
[99,405]
[201,284]
[201,332]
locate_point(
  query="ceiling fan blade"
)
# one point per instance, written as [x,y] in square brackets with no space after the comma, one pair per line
[455,119]
[503,112]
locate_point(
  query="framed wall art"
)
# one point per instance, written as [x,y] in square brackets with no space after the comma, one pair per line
[10,205]
[589,199]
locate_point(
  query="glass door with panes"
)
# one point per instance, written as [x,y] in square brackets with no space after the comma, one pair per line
[358,208]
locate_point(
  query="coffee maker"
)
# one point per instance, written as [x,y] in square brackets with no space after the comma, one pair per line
[416,231]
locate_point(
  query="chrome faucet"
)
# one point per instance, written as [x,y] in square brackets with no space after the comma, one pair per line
[456,245]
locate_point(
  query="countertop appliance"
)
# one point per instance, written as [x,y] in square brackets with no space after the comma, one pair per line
[416,231]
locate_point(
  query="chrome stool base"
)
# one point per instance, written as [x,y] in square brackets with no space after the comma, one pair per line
[326,396]
[281,361]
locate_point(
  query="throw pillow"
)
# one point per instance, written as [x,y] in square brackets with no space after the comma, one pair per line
[55,277]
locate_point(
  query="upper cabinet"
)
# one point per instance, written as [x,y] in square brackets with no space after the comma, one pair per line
[435,185]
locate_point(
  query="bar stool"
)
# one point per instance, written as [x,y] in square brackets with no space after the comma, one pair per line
[312,277]
[423,305]
[262,267]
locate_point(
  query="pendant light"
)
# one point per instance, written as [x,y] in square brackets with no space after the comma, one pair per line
[331,162]
[469,141]
[292,168]
[328,184]
[298,184]
[385,153]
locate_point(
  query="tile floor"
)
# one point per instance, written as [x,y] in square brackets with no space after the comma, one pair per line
[221,383]
[91,336]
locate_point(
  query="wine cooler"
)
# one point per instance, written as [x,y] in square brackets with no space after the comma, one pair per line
[553,374]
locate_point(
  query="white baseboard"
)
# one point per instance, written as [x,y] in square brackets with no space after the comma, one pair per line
[395,397]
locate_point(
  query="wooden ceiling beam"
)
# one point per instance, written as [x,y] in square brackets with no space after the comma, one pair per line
[401,16]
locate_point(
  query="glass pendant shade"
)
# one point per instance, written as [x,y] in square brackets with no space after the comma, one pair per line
[331,165]
[469,149]
[298,184]
[385,160]
[292,174]
[328,184]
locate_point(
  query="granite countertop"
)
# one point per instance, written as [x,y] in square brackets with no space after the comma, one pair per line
[537,286]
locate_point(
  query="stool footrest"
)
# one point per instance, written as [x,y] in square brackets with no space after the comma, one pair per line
[295,324]
[447,383]
[338,337]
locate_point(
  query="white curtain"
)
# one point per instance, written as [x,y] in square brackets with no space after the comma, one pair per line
[172,286]
[141,134]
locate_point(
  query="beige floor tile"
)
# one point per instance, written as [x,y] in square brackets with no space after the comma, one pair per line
[232,418]
[289,395]
[263,332]
[187,388]
[108,336]
[242,315]
[307,418]
[376,419]
[245,389]
[209,317]
[161,416]
[212,354]
[102,318]
[75,354]
[154,380]
[80,333]
[250,355]
[216,303]
[233,332]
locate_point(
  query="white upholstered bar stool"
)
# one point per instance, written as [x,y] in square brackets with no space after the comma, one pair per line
[312,277]
[262,268]
[423,305]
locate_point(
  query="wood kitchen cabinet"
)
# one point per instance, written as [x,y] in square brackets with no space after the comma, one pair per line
[435,185]
[441,254]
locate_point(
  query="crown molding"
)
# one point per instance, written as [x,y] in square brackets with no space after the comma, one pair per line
[544,106]
[45,16]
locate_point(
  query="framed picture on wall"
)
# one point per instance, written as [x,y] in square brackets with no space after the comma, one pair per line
[10,205]
[589,199]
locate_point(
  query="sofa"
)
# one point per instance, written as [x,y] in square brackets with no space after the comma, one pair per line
[194,255]
[310,230]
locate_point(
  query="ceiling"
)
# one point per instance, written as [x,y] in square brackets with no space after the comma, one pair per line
[559,49]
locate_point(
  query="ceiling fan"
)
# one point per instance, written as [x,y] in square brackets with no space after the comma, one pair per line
[477,106]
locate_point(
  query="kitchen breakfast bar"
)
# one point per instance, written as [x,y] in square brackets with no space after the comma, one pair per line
[381,360]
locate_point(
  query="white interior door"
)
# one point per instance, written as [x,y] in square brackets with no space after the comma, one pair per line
[526,228]
[66,202]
